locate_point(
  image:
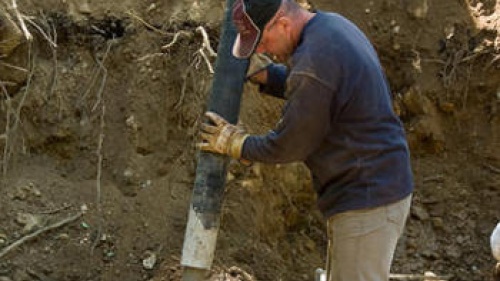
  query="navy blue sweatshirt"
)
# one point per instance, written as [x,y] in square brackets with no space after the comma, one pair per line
[338,119]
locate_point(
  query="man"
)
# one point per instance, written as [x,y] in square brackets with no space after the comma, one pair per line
[338,120]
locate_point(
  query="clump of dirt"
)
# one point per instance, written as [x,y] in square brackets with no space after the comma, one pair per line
[100,112]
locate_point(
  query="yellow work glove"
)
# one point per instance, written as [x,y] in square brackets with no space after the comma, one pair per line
[258,63]
[221,137]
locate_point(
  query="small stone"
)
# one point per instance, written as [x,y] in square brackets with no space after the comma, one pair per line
[430,255]
[84,208]
[420,213]
[146,184]
[109,255]
[453,252]
[132,123]
[150,261]
[248,184]
[438,223]
[229,177]
[447,107]
[128,173]
[63,236]
[104,237]
[151,7]
[28,221]
[429,274]
[367,10]
[411,244]
[310,245]
[417,8]
[3,239]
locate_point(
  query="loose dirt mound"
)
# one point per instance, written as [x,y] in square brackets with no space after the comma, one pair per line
[101,110]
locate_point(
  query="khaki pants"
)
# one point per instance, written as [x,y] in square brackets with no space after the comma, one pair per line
[361,243]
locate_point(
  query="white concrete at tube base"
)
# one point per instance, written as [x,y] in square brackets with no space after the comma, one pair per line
[199,243]
[320,275]
[495,242]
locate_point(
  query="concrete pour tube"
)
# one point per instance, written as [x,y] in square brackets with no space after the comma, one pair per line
[206,201]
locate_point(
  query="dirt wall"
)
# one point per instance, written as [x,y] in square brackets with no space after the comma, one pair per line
[107,119]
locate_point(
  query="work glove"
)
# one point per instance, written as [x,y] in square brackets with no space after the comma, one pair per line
[258,63]
[221,136]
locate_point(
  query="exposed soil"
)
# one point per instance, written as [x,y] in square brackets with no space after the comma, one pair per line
[106,122]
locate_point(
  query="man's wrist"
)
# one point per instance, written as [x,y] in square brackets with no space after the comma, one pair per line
[236,145]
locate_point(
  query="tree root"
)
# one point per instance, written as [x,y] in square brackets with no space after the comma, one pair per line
[38,233]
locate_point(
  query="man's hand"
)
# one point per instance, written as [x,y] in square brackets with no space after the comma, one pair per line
[222,137]
[258,63]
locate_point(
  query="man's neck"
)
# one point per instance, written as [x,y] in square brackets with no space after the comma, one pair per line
[300,22]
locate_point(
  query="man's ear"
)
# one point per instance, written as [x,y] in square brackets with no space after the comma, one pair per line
[285,23]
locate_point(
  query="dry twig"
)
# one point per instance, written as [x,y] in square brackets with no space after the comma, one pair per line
[15,67]
[206,41]
[98,178]
[104,77]
[467,85]
[206,45]
[201,51]
[143,58]
[195,62]
[6,134]
[492,168]
[146,23]
[493,61]
[38,232]
[7,83]
[50,212]
[418,277]
[25,30]
[39,276]
[100,66]
[42,32]
[8,148]
[100,141]
[54,71]
[184,85]
[176,37]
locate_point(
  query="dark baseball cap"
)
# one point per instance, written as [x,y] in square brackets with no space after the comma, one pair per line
[250,17]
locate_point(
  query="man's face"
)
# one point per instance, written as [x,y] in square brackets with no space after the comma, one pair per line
[275,40]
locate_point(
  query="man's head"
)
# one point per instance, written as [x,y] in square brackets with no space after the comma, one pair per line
[267,26]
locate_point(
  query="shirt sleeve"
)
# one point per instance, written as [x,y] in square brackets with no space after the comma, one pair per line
[304,124]
[276,81]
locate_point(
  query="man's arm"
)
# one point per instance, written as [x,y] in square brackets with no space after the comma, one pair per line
[270,77]
[275,81]
[305,123]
